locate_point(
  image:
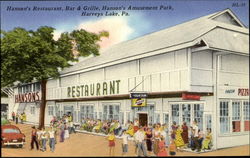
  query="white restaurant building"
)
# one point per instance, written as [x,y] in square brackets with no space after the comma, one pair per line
[195,70]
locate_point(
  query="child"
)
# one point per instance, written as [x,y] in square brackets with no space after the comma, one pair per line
[172,148]
[124,142]
[111,139]
[162,149]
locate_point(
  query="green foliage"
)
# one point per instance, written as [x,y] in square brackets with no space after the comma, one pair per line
[28,55]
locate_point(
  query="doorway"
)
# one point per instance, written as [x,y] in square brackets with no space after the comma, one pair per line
[143,119]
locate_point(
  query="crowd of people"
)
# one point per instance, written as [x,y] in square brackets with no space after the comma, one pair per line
[16,117]
[153,139]
[157,139]
[61,127]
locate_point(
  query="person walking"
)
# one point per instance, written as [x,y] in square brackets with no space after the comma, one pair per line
[13,116]
[62,129]
[39,139]
[196,135]
[178,138]
[167,138]
[111,139]
[184,133]
[44,139]
[124,142]
[34,138]
[21,118]
[140,138]
[156,136]
[52,139]
[24,117]
[149,137]
[17,116]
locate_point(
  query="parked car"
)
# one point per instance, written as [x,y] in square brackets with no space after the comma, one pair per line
[11,135]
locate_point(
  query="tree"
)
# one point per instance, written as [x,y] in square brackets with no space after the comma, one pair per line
[28,55]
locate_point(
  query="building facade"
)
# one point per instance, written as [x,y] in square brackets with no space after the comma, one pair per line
[198,70]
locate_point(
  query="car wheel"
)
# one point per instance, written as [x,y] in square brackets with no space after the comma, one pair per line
[20,146]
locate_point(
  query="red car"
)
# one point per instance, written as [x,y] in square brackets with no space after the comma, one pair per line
[11,135]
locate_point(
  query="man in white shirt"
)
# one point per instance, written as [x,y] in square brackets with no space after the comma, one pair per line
[52,139]
[124,142]
[140,139]
[196,135]
[44,139]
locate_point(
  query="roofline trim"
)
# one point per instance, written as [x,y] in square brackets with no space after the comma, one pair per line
[231,13]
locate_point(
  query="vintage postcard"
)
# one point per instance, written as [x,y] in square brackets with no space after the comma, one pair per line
[125,78]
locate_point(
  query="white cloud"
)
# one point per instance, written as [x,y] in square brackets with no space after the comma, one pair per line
[118,28]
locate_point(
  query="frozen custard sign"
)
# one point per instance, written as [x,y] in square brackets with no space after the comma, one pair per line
[94,89]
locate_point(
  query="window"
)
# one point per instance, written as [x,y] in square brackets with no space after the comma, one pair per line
[32,110]
[20,90]
[175,113]
[186,113]
[224,118]
[37,86]
[166,119]
[50,110]
[87,111]
[198,115]
[236,116]
[151,114]
[157,118]
[246,111]
[111,112]
[208,121]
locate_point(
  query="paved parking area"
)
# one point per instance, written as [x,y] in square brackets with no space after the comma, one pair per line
[81,144]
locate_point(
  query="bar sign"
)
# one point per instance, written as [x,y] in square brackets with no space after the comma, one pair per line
[138,95]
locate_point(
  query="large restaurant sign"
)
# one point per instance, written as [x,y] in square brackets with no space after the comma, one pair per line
[27,97]
[94,89]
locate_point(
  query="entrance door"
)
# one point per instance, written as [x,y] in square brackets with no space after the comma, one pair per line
[143,119]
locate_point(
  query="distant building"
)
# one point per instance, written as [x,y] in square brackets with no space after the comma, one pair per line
[198,70]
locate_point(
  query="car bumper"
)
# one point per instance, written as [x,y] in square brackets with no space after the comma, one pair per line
[14,143]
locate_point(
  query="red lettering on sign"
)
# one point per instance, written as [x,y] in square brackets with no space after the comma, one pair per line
[27,97]
[243,92]
[186,96]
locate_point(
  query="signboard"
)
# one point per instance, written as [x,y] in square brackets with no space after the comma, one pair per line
[139,102]
[233,92]
[27,97]
[187,96]
[138,95]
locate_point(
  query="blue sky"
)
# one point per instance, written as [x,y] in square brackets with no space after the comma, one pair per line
[138,23]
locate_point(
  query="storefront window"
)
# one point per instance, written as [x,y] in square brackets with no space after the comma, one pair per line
[186,113]
[87,111]
[32,110]
[50,110]
[224,118]
[198,115]
[175,113]
[151,114]
[236,116]
[208,121]
[111,112]
[166,119]
[246,111]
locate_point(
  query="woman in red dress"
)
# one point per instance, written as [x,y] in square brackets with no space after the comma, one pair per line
[184,134]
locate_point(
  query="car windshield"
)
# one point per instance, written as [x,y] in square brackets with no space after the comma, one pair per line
[10,130]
